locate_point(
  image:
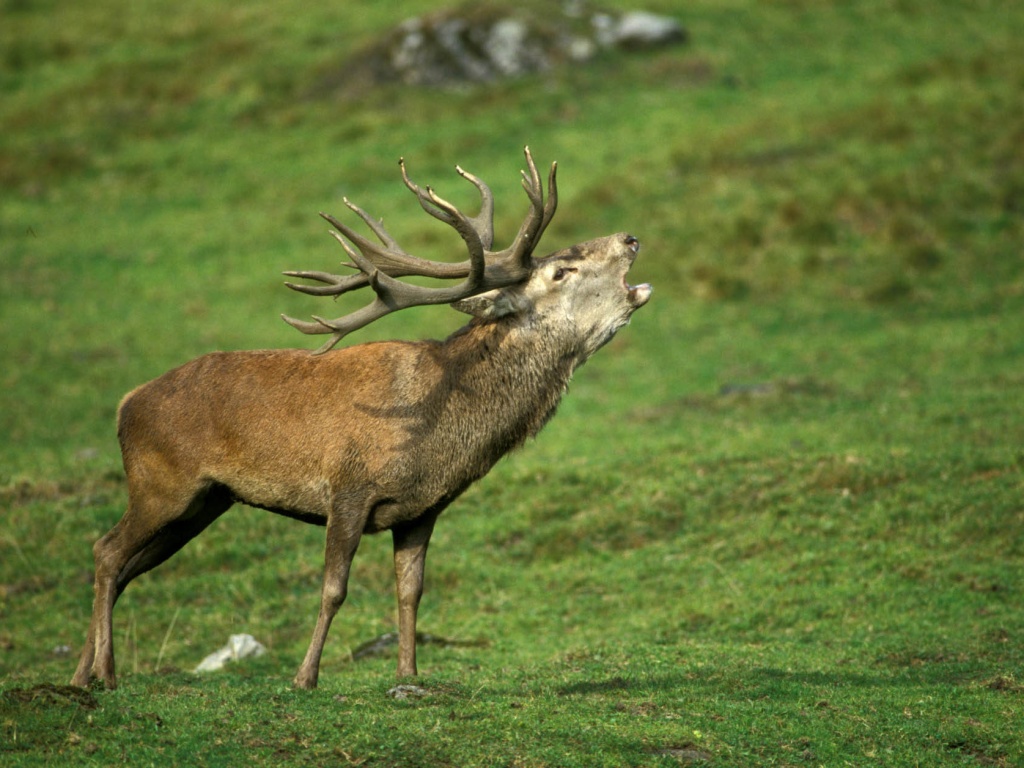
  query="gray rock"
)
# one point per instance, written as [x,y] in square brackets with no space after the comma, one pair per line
[639,29]
[478,43]
[512,50]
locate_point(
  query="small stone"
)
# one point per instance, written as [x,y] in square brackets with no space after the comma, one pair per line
[402,692]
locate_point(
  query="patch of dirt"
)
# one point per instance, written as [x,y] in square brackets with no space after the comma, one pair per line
[383,644]
[979,753]
[1004,683]
[49,695]
[687,753]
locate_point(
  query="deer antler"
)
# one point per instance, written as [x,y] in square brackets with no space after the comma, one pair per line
[380,264]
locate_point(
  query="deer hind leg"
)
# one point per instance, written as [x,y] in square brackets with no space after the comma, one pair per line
[343,537]
[141,541]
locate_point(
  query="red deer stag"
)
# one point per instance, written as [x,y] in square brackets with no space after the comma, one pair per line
[375,437]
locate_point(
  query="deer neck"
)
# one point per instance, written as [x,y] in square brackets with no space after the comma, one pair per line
[510,375]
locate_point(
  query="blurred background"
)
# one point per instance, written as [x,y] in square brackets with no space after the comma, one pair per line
[813,431]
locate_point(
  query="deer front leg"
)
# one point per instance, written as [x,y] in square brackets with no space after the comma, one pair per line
[410,543]
[342,540]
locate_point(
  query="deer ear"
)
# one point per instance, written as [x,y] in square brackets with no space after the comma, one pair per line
[491,304]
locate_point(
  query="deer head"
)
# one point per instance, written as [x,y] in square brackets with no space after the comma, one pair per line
[585,284]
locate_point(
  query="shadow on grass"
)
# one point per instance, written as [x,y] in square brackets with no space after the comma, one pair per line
[782,684]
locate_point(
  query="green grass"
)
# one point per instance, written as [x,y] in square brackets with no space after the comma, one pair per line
[778,521]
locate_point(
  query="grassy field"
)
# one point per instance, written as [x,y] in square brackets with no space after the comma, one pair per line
[778,521]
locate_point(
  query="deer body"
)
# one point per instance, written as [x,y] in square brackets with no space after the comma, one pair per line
[405,425]
[380,436]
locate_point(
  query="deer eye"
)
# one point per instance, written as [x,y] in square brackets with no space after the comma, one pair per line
[561,272]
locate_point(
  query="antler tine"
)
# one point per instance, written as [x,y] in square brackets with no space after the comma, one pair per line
[483,222]
[536,193]
[517,257]
[358,319]
[424,196]
[336,284]
[391,258]
[376,225]
[552,202]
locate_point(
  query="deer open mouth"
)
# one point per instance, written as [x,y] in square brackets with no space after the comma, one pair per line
[638,295]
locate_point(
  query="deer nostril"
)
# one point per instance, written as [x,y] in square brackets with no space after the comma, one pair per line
[632,243]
